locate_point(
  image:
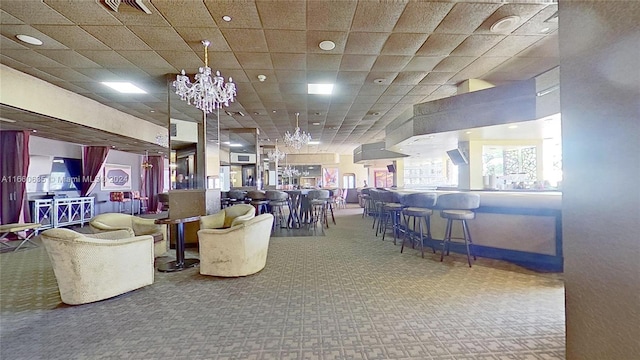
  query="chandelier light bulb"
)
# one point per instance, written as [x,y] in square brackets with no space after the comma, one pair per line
[207,93]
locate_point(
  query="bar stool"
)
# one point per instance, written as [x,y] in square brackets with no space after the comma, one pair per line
[318,201]
[259,201]
[458,206]
[277,201]
[392,208]
[418,206]
[366,201]
[377,205]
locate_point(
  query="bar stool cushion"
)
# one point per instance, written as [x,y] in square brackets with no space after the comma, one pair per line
[457,214]
[393,206]
[417,211]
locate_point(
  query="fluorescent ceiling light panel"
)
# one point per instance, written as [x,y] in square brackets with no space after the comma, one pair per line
[314,142]
[321,89]
[124,87]
[235,145]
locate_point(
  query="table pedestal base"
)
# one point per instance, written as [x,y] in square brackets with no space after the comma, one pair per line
[172,266]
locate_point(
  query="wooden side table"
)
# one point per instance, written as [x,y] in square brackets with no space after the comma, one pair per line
[180,263]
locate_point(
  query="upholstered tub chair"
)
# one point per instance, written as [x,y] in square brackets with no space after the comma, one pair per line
[236,251]
[93,267]
[136,225]
[228,217]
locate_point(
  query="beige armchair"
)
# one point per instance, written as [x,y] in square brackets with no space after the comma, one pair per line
[92,267]
[136,225]
[236,251]
[228,217]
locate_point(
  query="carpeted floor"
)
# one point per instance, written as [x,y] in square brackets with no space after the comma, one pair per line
[345,295]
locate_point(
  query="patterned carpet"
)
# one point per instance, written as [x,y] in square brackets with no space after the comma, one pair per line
[345,295]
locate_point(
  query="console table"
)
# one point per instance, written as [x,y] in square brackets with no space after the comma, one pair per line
[58,212]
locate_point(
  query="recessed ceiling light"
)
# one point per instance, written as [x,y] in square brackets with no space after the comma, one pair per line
[124,87]
[379,81]
[512,126]
[327,45]
[34,130]
[29,39]
[544,30]
[505,24]
[314,142]
[226,18]
[235,145]
[321,89]
[310,167]
[316,123]
[468,132]
[152,111]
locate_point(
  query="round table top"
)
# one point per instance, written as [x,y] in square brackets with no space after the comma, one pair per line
[177,221]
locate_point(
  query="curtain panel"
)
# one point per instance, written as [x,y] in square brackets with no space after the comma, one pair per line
[14,167]
[154,181]
[93,159]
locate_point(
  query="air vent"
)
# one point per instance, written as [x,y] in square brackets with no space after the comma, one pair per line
[136,4]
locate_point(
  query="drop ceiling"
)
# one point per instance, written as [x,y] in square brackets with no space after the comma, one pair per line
[417,50]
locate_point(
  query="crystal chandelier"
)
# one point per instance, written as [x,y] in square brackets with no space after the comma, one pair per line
[206,93]
[290,172]
[298,139]
[276,155]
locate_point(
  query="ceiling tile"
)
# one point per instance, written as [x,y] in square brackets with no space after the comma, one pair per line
[409,77]
[357,62]
[289,61]
[423,63]
[524,11]
[178,15]
[67,58]
[323,61]
[422,17]
[253,60]
[512,45]
[271,14]
[465,18]
[244,14]
[193,37]
[453,63]
[437,78]
[291,76]
[325,15]
[376,16]
[365,43]
[352,77]
[36,13]
[74,37]
[161,38]
[440,44]
[392,63]
[403,43]
[476,45]
[289,41]
[117,37]
[246,40]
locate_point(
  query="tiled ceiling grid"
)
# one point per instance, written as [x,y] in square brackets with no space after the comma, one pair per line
[421,49]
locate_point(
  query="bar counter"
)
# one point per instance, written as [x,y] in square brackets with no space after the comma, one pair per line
[524,228]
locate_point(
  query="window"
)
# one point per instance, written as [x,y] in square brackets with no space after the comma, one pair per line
[349,181]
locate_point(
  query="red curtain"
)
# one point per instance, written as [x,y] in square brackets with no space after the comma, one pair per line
[14,166]
[154,181]
[92,161]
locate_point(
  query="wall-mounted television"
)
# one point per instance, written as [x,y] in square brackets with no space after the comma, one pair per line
[391,168]
[457,157]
